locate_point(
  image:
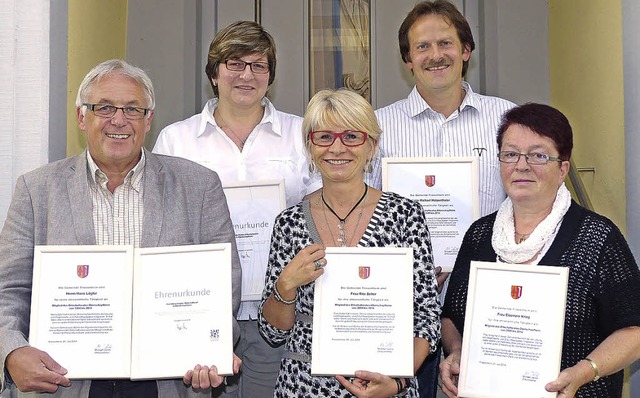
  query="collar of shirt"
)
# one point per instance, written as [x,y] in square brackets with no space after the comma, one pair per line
[418,105]
[133,178]
[268,119]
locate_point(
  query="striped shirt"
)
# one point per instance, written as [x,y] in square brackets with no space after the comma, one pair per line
[412,129]
[117,216]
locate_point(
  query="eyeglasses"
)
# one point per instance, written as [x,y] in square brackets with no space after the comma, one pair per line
[105,110]
[348,137]
[536,158]
[238,65]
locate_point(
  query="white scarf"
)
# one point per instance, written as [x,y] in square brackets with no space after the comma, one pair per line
[503,238]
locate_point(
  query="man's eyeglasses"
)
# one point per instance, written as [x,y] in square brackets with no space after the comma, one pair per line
[105,110]
[348,137]
[237,65]
[536,158]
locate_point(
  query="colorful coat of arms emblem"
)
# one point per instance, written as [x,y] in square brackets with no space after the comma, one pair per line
[83,271]
[430,180]
[516,292]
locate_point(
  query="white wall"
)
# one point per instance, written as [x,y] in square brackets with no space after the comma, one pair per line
[631,50]
[514,50]
[162,39]
[24,93]
[58,59]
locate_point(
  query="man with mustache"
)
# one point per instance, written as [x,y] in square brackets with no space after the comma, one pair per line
[442,115]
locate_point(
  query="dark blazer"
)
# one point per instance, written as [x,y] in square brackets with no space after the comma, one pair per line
[183,205]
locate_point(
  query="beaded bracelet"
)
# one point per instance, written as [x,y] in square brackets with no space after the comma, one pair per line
[595,369]
[278,297]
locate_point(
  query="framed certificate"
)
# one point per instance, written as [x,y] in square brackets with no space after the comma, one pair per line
[363,312]
[447,188]
[254,206]
[81,308]
[181,310]
[513,330]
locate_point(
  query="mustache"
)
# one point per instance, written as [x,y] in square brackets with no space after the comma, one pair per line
[435,64]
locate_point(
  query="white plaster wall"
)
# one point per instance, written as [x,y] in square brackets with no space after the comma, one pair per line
[162,36]
[24,92]
[514,50]
[631,51]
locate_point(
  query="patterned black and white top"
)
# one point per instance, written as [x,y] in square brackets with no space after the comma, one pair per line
[396,222]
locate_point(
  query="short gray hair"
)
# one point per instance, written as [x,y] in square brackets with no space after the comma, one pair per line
[120,67]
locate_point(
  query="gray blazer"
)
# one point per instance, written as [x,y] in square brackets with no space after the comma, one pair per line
[183,204]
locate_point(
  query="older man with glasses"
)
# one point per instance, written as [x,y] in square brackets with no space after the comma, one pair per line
[114,193]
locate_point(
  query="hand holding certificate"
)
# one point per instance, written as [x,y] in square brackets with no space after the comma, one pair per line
[82,315]
[513,330]
[81,308]
[363,312]
[182,313]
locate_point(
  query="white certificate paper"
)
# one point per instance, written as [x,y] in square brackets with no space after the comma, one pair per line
[81,308]
[513,330]
[447,189]
[363,312]
[182,310]
[253,206]
[98,320]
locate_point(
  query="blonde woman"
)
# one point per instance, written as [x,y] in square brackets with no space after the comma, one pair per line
[341,134]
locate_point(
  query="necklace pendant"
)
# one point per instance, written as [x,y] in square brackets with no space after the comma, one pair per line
[521,237]
[342,238]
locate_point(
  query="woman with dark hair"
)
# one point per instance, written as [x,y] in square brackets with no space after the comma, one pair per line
[241,135]
[539,223]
